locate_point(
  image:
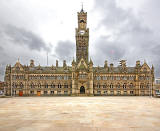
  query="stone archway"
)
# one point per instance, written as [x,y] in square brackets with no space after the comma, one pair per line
[82,90]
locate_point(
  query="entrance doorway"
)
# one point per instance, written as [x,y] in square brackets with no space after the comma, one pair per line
[20,93]
[38,93]
[82,90]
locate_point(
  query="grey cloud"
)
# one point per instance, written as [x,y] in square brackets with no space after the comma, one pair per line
[65,50]
[134,39]
[22,36]
[107,50]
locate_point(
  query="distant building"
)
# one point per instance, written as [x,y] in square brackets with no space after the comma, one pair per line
[157,81]
[157,87]
[2,86]
[82,78]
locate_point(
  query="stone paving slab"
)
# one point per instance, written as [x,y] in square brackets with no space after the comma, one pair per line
[80,114]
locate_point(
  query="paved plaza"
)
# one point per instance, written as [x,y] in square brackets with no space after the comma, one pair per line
[80,113]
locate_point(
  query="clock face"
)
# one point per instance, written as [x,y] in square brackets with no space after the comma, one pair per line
[82,32]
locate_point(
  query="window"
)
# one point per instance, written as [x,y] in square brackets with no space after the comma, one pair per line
[65,77]
[105,92]
[32,92]
[17,68]
[98,92]
[59,77]
[98,86]
[131,92]
[111,86]
[125,92]
[32,85]
[112,77]
[59,92]
[147,86]
[14,85]
[142,92]
[21,85]
[131,78]
[104,86]
[112,92]
[52,92]
[98,78]
[141,86]
[65,86]
[59,86]
[118,78]
[82,76]
[118,85]
[52,86]
[14,92]
[46,86]
[131,85]
[104,78]
[118,92]
[45,92]
[125,78]
[39,85]
[124,86]
[65,92]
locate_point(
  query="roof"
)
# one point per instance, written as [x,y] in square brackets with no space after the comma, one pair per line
[50,70]
[118,69]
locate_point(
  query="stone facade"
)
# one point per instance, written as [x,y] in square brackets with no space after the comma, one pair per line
[82,78]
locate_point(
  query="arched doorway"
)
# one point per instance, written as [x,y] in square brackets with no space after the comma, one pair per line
[82,90]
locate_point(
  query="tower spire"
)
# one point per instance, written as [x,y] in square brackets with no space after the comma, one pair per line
[82,8]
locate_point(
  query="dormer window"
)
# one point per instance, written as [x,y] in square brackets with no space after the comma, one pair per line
[17,68]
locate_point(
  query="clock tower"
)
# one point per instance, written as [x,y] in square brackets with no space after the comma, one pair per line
[82,37]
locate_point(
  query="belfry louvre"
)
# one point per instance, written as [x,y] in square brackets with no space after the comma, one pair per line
[81,78]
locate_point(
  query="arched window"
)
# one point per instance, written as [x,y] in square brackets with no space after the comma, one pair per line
[131,85]
[21,85]
[46,85]
[59,86]
[98,78]
[124,86]
[104,86]
[65,85]
[39,85]
[52,85]
[98,85]
[14,85]
[141,85]
[111,85]
[147,86]
[118,85]
[32,85]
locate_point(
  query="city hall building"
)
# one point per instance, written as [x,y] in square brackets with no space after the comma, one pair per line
[81,78]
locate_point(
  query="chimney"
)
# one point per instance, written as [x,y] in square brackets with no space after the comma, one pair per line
[64,63]
[111,65]
[105,64]
[138,63]
[31,63]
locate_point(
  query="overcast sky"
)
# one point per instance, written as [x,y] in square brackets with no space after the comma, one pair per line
[119,29]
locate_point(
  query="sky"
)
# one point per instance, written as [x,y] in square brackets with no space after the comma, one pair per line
[119,29]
